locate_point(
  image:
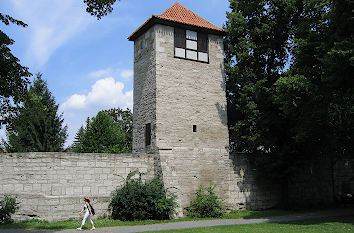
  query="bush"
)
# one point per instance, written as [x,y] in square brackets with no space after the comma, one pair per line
[8,206]
[138,200]
[205,204]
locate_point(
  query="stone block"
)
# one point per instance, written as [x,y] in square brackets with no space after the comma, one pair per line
[78,191]
[103,190]
[57,190]
[101,164]
[69,190]
[27,188]
[106,170]
[86,190]
[36,188]
[8,188]
[19,188]
[82,164]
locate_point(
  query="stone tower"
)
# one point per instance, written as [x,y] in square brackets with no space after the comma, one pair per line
[179,90]
[180,101]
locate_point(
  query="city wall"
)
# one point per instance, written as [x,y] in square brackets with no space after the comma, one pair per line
[51,186]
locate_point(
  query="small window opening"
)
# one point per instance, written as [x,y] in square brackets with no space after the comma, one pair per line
[194,128]
[148,134]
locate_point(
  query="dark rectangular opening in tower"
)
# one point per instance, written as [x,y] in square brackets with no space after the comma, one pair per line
[180,38]
[202,42]
[194,128]
[148,134]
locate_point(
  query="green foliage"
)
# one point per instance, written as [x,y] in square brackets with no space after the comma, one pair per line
[101,135]
[290,89]
[256,49]
[206,204]
[36,125]
[99,8]
[124,120]
[139,200]
[13,76]
[8,206]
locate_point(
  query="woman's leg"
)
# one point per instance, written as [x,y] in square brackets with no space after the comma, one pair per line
[87,215]
[90,220]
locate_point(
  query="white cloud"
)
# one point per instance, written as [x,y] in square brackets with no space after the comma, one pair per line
[100,73]
[51,25]
[127,74]
[75,101]
[105,93]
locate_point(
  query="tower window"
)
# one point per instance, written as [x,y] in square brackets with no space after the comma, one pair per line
[194,128]
[191,45]
[148,134]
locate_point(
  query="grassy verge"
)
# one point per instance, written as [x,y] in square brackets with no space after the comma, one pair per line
[323,225]
[72,224]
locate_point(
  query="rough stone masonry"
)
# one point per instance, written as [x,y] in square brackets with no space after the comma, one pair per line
[51,186]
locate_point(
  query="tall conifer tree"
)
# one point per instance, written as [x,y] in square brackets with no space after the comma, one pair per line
[37,125]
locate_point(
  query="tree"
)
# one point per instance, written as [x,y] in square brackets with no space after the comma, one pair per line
[101,135]
[78,137]
[257,51]
[256,55]
[323,55]
[13,76]
[286,118]
[37,125]
[124,120]
[99,8]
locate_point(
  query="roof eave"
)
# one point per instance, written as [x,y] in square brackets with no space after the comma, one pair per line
[155,20]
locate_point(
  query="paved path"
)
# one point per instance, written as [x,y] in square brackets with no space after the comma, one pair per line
[193,224]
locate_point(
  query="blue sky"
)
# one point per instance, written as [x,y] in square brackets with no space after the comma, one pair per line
[88,63]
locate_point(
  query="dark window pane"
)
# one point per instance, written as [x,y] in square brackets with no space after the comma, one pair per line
[203,42]
[180,38]
[148,134]
[194,128]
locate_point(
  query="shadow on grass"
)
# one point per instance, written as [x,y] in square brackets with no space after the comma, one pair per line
[249,214]
[348,219]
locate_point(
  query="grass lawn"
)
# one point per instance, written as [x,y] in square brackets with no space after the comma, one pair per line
[323,225]
[72,224]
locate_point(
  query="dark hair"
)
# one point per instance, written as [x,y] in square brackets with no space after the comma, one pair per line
[87,199]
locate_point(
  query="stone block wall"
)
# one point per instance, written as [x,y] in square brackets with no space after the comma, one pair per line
[321,183]
[51,185]
[144,111]
[186,169]
[344,177]
[252,193]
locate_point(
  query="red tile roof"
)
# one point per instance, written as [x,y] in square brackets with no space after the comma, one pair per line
[180,14]
[177,13]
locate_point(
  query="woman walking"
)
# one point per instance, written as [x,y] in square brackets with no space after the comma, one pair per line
[88,211]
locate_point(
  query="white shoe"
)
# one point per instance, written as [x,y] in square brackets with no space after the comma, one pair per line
[79,229]
[93,228]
